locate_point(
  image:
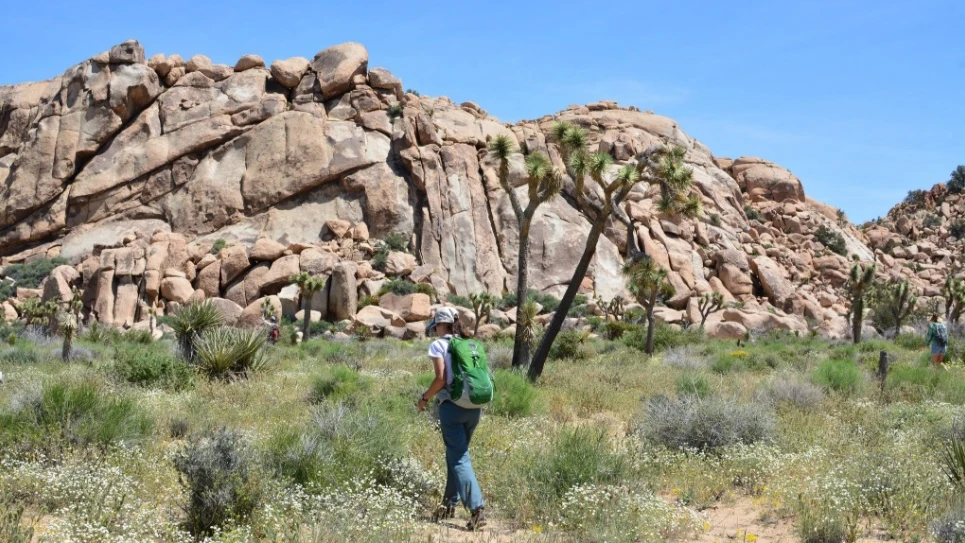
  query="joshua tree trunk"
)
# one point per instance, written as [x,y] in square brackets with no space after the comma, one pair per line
[542,352]
[307,308]
[650,327]
[857,314]
[68,346]
[521,347]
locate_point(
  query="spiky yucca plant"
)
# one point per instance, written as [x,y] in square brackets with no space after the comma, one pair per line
[68,327]
[223,352]
[308,285]
[860,281]
[543,182]
[526,321]
[190,322]
[649,282]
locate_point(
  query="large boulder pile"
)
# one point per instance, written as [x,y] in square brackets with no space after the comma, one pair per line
[133,169]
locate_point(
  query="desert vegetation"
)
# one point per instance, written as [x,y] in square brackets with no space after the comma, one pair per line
[221,437]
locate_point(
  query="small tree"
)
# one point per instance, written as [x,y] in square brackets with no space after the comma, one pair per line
[543,182]
[662,165]
[956,181]
[709,304]
[482,306]
[308,285]
[954,293]
[898,301]
[68,327]
[649,283]
[860,282]
[615,307]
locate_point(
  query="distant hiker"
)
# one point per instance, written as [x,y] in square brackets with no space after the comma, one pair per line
[464,385]
[274,332]
[937,337]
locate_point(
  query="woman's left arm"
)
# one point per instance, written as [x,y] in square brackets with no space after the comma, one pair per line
[437,384]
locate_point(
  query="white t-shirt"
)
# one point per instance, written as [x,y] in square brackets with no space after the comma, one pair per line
[440,349]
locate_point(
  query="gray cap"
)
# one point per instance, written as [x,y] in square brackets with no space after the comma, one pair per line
[445,315]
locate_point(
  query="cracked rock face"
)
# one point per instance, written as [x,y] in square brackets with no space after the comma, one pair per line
[166,156]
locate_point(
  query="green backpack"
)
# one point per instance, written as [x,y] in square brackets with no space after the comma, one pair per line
[472,383]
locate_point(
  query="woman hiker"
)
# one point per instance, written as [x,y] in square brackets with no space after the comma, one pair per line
[937,337]
[457,426]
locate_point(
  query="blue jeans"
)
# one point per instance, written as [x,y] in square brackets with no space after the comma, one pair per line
[457,426]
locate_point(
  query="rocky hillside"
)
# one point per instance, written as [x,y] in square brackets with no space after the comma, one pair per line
[132,169]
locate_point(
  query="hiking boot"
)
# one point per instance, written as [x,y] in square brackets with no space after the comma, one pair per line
[477,520]
[443,512]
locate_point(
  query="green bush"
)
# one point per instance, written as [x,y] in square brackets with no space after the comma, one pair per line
[915,197]
[7,290]
[689,422]
[16,524]
[339,383]
[397,286]
[219,244]
[957,229]
[515,395]
[548,301]
[190,323]
[99,334]
[576,456]
[911,342]
[841,376]
[821,526]
[571,344]
[218,474]
[20,354]
[692,384]
[152,366]
[82,412]
[614,330]
[30,275]
[665,337]
[753,214]
[932,221]
[225,352]
[457,300]
[297,456]
[834,241]
[397,241]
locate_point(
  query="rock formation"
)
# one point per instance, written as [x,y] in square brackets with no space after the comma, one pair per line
[133,169]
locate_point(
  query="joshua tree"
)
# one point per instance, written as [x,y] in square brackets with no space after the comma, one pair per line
[68,327]
[614,307]
[657,164]
[709,304]
[954,293]
[648,282]
[482,305]
[899,301]
[860,282]
[543,183]
[308,285]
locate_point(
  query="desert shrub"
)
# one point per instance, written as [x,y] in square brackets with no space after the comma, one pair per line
[457,300]
[793,391]
[218,245]
[957,229]
[822,525]
[319,328]
[548,301]
[622,514]
[29,275]
[834,241]
[714,219]
[685,357]
[693,384]
[224,352]
[397,286]
[911,342]
[427,289]
[81,412]
[368,300]
[297,456]
[665,337]
[515,396]
[100,334]
[152,366]
[338,383]
[7,290]
[190,322]
[178,428]
[20,354]
[16,526]
[397,241]
[950,527]
[575,456]
[138,337]
[915,197]
[730,361]
[500,355]
[841,376]
[380,259]
[571,344]
[753,214]
[706,424]
[932,221]
[218,474]
[614,330]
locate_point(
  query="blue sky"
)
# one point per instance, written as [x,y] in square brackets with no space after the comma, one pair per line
[863,100]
